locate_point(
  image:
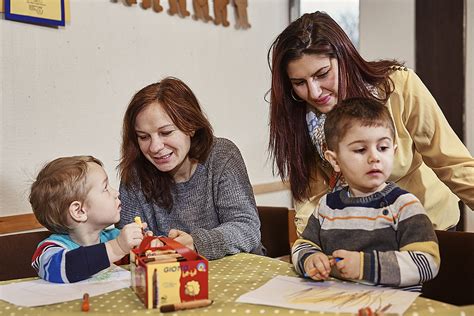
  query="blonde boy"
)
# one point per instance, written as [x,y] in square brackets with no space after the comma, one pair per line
[73,199]
[370,230]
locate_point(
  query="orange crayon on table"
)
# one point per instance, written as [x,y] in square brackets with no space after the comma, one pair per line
[85,302]
[365,311]
[185,305]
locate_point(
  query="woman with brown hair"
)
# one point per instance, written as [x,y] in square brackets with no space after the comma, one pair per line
[314,66]
[185,183]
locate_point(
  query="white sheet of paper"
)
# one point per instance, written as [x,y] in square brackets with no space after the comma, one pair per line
[40,292]
[327,296]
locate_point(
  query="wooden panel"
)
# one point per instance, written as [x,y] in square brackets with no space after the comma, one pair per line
[440,45]
[440,61]
[274,230]
[452,284]
[293,235]
[18,223]
[17,250]
[270,187]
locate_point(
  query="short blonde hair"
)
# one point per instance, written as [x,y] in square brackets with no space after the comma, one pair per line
[58,184]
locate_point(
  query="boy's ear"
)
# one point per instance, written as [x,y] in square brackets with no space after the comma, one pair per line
[76,212]
[395,147]
[331,156]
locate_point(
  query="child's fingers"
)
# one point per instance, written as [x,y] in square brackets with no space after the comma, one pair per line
[323,266]
[327,265]
[318,277]
[315,275]
[341,265]
[312,272]
[318,269]
[173,233]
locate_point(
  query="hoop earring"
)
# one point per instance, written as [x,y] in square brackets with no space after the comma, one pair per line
[297,99]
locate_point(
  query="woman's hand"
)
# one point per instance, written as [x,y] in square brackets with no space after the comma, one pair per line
[182,237]
[317,266]
[349,263]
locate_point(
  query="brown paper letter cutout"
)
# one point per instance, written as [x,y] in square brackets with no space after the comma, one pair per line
[178,7]
[220,12]
[146,4]
[241,14]
[201,10]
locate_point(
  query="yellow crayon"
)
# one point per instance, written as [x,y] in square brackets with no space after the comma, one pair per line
[138,220]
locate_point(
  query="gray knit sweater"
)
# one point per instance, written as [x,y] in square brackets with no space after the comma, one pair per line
[216,206]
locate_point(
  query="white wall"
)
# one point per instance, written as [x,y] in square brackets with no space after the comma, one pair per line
[387,30]
[64,91]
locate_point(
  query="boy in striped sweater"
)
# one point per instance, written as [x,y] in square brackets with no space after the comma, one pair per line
[371,230]
[72,198]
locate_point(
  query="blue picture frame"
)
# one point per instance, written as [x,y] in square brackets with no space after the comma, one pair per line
[34,20]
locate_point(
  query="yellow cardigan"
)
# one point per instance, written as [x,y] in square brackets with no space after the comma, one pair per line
[431,162]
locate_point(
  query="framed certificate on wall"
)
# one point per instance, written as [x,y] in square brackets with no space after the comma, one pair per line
[45,12]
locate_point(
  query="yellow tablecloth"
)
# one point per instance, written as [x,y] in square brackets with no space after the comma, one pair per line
[229,278]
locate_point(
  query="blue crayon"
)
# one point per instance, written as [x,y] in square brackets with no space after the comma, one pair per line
[337,259]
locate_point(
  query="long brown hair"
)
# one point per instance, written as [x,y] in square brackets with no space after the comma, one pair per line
[290,146]
[182,106]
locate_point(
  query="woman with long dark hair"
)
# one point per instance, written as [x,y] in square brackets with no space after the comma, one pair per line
[314,66]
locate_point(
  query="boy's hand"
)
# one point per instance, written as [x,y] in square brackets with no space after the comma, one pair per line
[130,236]
[182,237]
[349,265]
[317,266]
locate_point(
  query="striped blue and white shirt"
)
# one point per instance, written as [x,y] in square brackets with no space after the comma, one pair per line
[59,259]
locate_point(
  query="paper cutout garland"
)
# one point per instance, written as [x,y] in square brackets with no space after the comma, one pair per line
[201,10]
